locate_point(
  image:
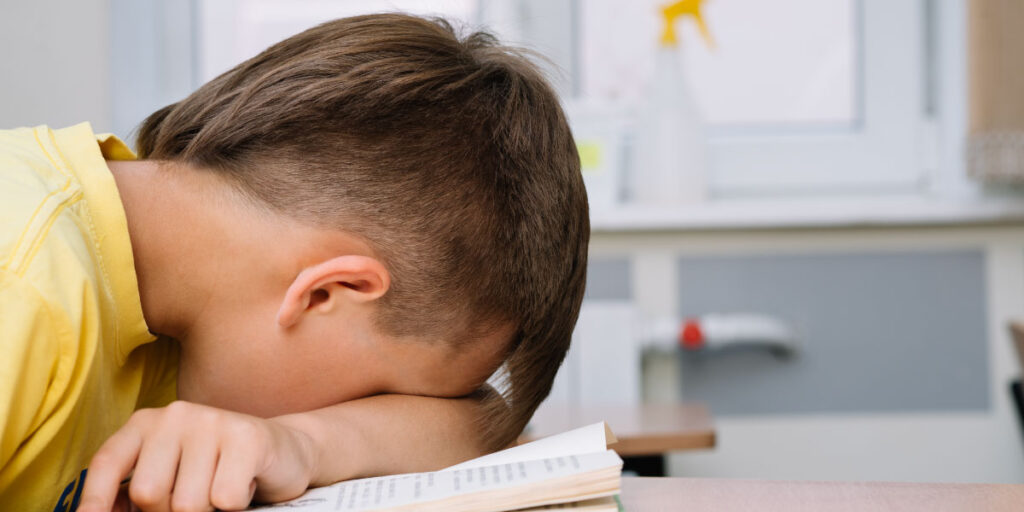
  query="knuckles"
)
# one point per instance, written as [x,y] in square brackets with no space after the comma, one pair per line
[142,417]
[180,408]
[244,431]
[181,415]
[187,413]
[190,421]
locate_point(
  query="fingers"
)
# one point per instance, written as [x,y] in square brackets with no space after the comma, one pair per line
[155,471]
[234,483]
[111,464]
[195,475]
[188,457]
[123,503]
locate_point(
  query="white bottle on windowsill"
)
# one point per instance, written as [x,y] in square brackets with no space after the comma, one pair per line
[670,155]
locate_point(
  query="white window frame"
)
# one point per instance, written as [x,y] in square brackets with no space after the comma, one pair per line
[879,152]
[882,152]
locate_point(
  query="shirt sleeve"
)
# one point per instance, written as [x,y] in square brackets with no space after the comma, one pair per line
[28,361]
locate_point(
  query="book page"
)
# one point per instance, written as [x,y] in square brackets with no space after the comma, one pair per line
[382,493]
[589,439]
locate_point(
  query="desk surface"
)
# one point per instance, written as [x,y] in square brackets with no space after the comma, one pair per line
[699,495]
[641,430]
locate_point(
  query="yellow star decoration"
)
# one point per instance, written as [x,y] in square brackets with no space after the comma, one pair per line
[683,8]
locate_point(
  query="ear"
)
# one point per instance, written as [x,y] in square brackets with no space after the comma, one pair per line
[327,285]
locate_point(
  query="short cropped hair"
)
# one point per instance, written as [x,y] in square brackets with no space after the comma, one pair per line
[450,156]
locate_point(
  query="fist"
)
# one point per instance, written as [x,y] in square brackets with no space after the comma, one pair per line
[189,457]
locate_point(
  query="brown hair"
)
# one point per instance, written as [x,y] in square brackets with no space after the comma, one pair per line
[451,157]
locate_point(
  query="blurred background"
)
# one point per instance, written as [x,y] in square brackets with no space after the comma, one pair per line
[806,216]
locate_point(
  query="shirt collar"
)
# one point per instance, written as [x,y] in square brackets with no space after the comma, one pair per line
[86,153]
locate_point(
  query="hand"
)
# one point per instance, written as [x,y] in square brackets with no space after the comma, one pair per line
[189,457]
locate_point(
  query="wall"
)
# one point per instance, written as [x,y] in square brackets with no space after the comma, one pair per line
[56,64]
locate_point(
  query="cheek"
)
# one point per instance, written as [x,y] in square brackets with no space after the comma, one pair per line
[287,376]
[253,367]
[422,370]
[226,367]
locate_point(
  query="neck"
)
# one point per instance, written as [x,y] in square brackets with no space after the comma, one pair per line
[199,246]
[165,211]
[196,240]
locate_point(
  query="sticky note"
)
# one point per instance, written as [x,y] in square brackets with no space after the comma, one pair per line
[591,155]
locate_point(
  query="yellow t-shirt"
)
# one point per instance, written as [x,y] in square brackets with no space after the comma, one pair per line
[76,357]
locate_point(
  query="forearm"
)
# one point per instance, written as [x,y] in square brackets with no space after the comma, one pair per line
[389,434]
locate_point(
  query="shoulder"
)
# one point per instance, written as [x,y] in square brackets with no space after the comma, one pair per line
[46,246]
[47,286]
[64,231]
[28,319]
[35,336]
[35,189]
[37,332]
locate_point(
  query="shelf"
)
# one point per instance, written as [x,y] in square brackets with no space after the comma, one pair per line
[810,213]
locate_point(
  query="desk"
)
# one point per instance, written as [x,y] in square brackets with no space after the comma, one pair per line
[700,495]
[641,430]
[645,432]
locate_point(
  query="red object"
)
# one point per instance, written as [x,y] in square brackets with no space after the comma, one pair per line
[691,337]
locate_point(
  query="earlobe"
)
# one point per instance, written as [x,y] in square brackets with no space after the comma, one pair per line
[332,283]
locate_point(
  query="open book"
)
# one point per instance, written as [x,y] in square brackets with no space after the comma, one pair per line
[573,470]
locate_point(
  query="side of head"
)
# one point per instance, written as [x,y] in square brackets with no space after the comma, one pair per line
[451,158]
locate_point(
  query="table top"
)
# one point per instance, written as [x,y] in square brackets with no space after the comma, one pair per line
[641,430]
[721,495]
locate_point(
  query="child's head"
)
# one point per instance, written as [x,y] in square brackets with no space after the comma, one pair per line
[450,159]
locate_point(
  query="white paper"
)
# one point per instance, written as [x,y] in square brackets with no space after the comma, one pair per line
[588,439]
[413,488]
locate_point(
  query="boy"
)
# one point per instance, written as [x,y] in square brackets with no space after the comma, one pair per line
[344,235]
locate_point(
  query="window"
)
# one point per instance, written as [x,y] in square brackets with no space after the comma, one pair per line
[785,64]
[798,96]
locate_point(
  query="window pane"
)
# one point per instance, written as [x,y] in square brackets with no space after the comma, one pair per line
[778,62]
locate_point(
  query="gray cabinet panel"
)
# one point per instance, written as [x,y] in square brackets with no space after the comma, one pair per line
[878,331]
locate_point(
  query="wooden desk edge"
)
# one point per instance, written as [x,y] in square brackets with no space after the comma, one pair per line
[651,429]
[659,444]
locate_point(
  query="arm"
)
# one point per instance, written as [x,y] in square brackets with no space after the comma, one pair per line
[388,434]
[189,456]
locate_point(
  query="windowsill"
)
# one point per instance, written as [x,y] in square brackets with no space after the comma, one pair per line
[809,213]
